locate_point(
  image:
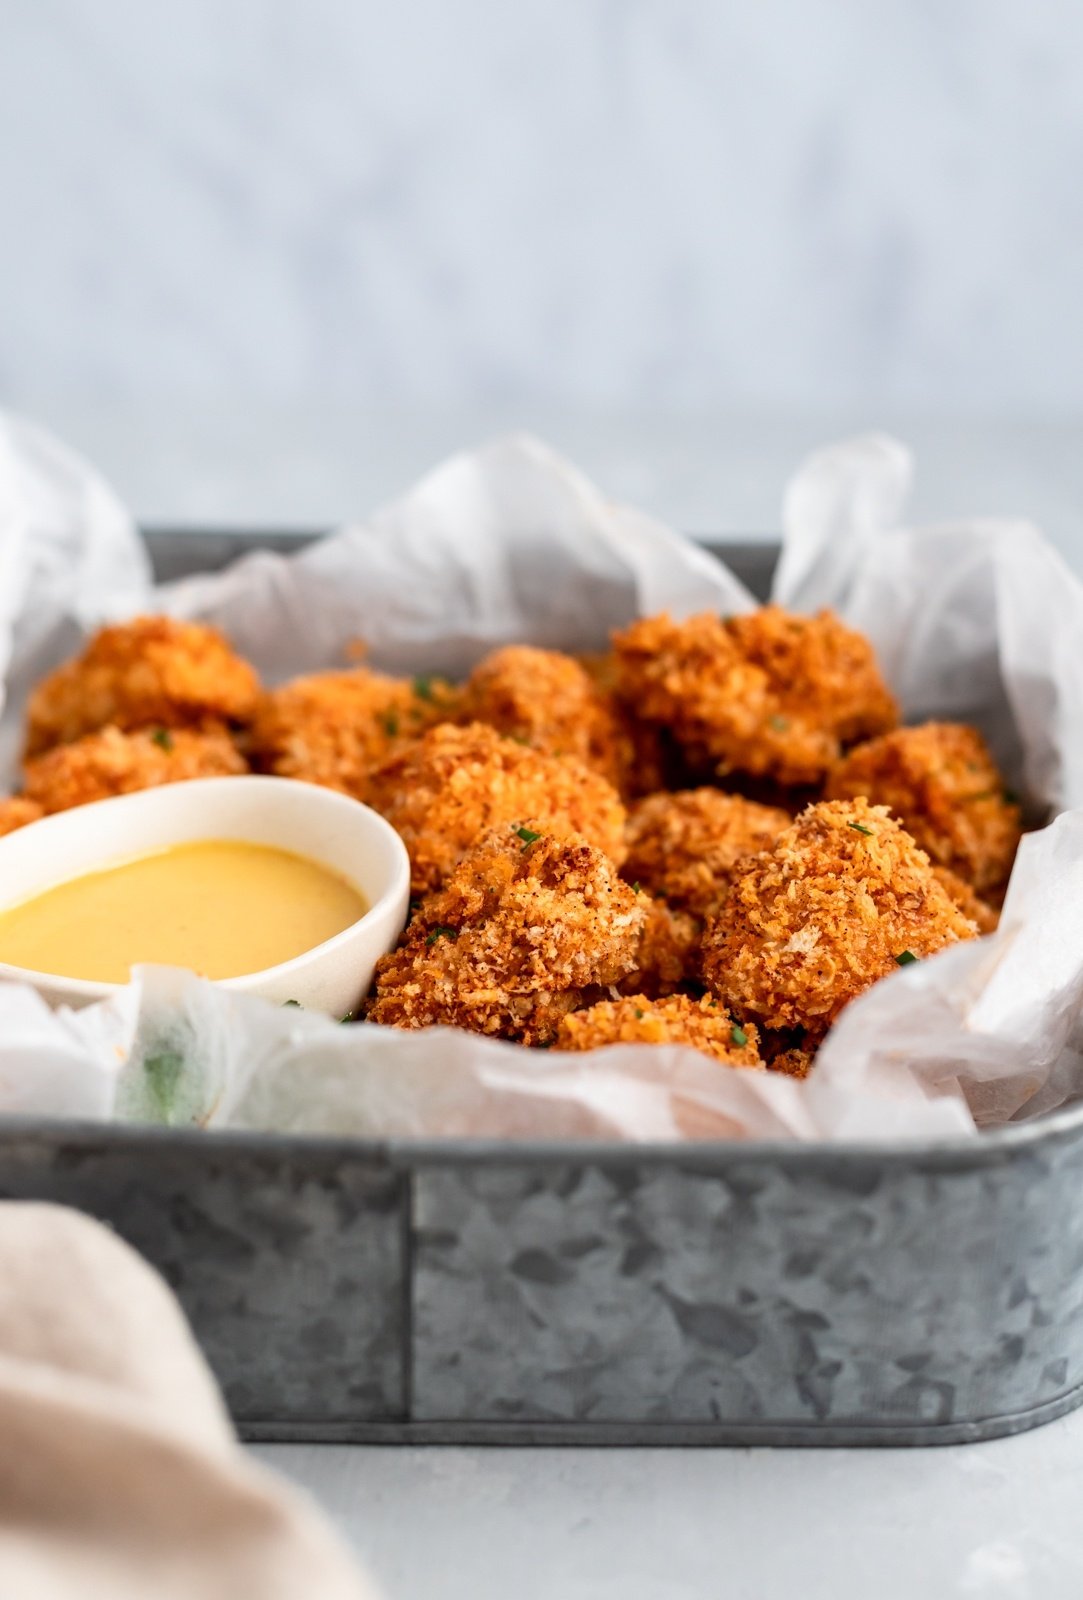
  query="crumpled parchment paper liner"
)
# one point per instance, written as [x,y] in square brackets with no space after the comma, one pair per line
[977,620]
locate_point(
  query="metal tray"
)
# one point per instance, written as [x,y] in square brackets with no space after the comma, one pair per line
[600,1293]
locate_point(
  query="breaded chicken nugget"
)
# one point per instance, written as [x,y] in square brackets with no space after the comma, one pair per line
[984,916]
[111,762]
[842,898]
[941,782]
[769,694]
[16,812]
[637,1019]
[549,701]
[526,927]
[445,789]
[668,953]
[152,672]
[684,846]
[333,728]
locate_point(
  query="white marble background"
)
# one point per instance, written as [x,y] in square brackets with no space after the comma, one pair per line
[245,245]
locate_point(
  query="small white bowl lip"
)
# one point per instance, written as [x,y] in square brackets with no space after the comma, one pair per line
[89,989]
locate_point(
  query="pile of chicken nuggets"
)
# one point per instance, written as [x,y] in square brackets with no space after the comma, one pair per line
[715,834]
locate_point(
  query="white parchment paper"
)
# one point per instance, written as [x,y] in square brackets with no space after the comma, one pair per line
[979,621]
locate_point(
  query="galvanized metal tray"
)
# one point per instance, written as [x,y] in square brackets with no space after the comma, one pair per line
[601,1293]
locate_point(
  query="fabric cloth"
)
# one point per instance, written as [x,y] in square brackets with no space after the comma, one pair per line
[119,1473]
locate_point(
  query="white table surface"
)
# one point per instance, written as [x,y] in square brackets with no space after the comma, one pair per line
[1001,1520]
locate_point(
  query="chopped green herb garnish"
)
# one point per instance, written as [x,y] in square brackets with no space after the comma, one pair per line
[859,827]
[423,687]
[982,794]
[296,1003]
[162,738]
[636,887]
[390,720]
[442,932]
[527,835]
[738,1035]
[906,958]
[639,1013]
[779,724]
[520,738]
[349,1017]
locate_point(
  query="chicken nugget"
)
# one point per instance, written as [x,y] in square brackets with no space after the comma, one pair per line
[17,812]
[445,789]
[547,700]
[152,672]
[112,762]
[701,1024]
[683,847]
[527,927]
[668,954]
[942,783]
[842,898]
[333,728]
[770,694]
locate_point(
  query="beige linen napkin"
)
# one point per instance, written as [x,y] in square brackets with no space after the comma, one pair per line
[119,1474]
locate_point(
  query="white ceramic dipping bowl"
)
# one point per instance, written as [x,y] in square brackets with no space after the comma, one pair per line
[328,828]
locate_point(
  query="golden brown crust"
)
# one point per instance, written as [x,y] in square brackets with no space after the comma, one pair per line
[523,931]
[821,916]
[700,1024]
[548,701]
[985,917]
[334,728]
[668,953]
[683,847]
[17,812]
[770,694]
[151,672]
[445,789]
[942,783]
[110,762]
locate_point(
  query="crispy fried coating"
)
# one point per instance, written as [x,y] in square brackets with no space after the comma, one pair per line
[152,672]
[334,728]
[668,953]
[942,783]
[701,1024]
[17,812]
[549,701]
[111,762]
[445,789]
[525,929]
[984,916]
[770,694]
[818,918]
[683,847]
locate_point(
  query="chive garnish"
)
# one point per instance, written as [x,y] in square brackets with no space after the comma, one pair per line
[527,835]
[639,1013]
[423,687]
[859,827]
[441,931]
[390,721]
[296,1003]
[162,738]
[738,1035]
[636,887]
[906,958]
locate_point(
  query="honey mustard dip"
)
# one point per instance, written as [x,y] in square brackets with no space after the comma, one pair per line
[223,908]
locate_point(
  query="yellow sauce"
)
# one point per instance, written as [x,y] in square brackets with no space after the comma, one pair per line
[221,907]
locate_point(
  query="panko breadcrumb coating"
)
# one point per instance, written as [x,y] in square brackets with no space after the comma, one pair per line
[684,846]
[333,728]
[941,782]
[842,899]
[447,788]
[549,701]
[769,694]
[152,672]
[985,917]
[112,762]
[527,927]
[637,1019]
[17,812]
[668,953]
